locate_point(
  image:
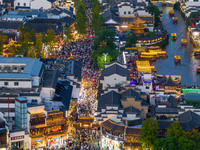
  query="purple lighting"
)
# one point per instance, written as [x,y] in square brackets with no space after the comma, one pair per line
[147,81]
[132,83]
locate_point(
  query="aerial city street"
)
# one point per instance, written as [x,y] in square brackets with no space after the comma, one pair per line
[99,75]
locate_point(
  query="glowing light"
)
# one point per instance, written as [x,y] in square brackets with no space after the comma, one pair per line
[196,33]
[124,26]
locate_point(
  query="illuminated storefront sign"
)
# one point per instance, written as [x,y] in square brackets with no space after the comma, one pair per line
[17,137]
[38,140]
[56,138]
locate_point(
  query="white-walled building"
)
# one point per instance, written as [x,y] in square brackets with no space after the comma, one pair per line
[19,138]
[20,72]
[113,74]
[147,82]
[33,4]
[41,4]
[128,104]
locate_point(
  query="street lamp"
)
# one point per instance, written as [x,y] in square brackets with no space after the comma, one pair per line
[63,24]
[105,55]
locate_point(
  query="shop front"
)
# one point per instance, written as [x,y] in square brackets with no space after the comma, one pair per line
[109,143]
[55,142]
[19,140]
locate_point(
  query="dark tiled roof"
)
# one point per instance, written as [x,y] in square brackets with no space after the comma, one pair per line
[118,128]
[30,94]
[135,122]
[50,78]
[170,82]
[41,27]
[189,120]
[132,131]
[164,124]
[131,109]
[166,110]
[172,102]
[10,25]
[115,68]
[113,127]
[58,11]
[108,14]
[74,67]
[110,98]
[159,80]
[125,4]
[12,1]
[131,93]
[68,20]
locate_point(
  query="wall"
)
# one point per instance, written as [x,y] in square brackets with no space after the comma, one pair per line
[126,9]
[75,91]
[35,81]
[26,138]
[192,3]
[22,84]
[21,3]
[37,4]
[30,98]
[112,80]
[47,93]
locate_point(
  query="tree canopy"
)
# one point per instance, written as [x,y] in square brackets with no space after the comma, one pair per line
[177,139]
[3,39]
[149,133]
[104,43]
[131,40]
[96,19]
[81,18]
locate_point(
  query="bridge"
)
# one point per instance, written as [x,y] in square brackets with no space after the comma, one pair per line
[190,90]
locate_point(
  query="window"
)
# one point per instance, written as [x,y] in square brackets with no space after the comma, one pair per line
[16,83]
[196,0]
[24,4]
[147,87]
[129,12]
[5,83]
[125,13]
[18,4]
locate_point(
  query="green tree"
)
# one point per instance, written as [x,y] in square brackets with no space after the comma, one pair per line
[155,10]
[76,2]
[3,39]
[149,133]
[51,40]
[96,17]
[150,34]
[186,144]
[131,40]
[81,18]
[168,143]
[33,36]
[38,45]
[101,60]
[68,33]
[177,5]
[22,31]
[175,130]
[104,43]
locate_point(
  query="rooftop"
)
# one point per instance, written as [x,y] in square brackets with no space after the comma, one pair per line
[32,67]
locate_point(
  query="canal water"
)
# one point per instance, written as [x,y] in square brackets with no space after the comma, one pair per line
[187,68]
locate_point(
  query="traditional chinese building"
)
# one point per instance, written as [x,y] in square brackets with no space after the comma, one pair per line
[47,128]
[86,123]
[137,26]
[120,136]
